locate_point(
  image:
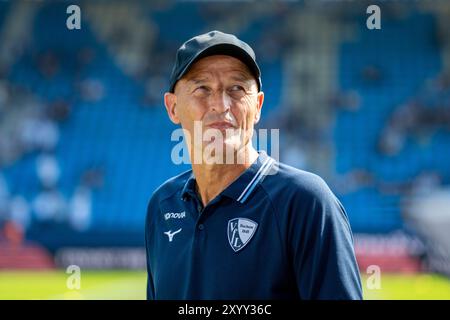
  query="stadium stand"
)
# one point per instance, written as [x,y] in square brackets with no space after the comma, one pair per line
[85,139]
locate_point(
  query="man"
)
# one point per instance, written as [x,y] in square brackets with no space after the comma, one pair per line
[249,228]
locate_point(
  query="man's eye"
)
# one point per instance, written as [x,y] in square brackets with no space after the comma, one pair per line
[202,89]
[237,88]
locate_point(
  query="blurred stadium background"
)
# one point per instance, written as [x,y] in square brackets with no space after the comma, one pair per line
[84,138]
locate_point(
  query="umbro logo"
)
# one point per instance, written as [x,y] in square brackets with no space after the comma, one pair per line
[170,234]
[175,215]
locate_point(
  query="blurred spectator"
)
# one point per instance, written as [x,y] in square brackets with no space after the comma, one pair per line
[429,215]
[91,90]
[425,182]
[20,212]
[59,110]
[39,133]
[85,56]
[9,149]
[50,206]
[4,96]
[80,208]
[48,64]
[48,170]
[25,125]
[349,101]
[412,119]
[93,178]
[443,81]
[391,141]
[4,200]
[371,74]
[352,181]
[153,88]
[293,155]
[394,134]
[13,233]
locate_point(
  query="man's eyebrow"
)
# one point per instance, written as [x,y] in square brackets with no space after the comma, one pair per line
[241,77]
[197,80]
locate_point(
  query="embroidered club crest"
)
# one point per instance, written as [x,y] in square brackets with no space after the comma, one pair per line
[240,231]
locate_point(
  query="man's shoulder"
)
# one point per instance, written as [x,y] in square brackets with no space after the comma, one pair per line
[304,195]
[287,181]
[171,186]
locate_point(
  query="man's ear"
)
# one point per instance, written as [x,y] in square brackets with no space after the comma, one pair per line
[170,102]
[260,101]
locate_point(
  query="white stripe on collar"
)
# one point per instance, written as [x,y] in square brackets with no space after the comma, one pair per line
[261,172]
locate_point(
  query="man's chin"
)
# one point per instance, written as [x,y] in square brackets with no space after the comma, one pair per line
[224,153]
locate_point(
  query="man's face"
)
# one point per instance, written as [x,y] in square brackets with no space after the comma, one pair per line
[222,95]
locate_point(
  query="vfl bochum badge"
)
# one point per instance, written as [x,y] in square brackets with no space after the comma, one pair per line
[240,231]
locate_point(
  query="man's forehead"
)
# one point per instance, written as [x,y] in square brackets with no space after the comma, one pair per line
[203,76]
[209,66]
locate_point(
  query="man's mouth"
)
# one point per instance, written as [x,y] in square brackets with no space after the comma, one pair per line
[221,125]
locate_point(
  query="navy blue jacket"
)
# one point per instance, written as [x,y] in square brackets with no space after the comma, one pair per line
[276,232]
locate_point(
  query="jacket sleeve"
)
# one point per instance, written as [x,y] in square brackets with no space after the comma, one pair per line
[321,245]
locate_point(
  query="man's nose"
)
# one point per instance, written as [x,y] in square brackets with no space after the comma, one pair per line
[221,102]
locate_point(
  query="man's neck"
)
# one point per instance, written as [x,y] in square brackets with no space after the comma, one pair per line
[212,179]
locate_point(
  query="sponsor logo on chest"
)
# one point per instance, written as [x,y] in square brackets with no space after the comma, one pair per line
[175,215]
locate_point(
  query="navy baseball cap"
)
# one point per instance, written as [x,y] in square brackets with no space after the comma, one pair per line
[213,43]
